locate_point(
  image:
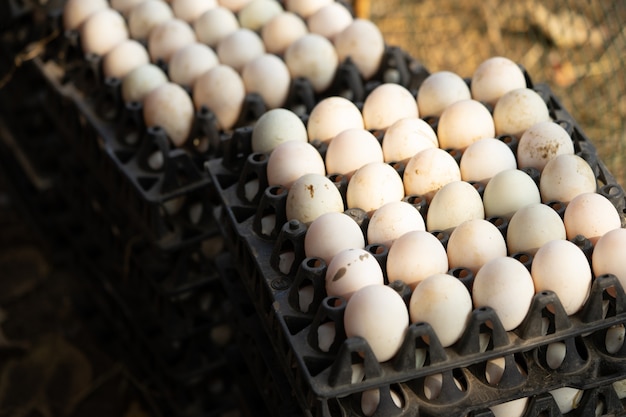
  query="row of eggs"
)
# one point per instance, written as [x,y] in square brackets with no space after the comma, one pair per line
[219,52]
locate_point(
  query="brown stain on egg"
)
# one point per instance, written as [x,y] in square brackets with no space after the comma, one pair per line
[364,256]
[311,190]
[548,150]
[339,274]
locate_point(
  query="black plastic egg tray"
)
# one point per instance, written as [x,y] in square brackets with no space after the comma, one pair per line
[320,378]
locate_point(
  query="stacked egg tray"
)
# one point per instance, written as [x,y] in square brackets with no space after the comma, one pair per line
[157,303]
[323,381]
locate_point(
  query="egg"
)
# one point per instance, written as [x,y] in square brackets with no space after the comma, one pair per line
[485,158]
[312,57]
[428,171]
[331,116]
[495,77]
[512,408]
[191,61]
[607,255]
[591,215]
[504,284]
[463,123]
[363,43]
[373,185]
[107,21]
[268,76]
[518,110]
[310,196]
[565,177]
[508,191]
[350,150]
[292,159]
[166,38]
[225,102]
[305,8]
[277,126]
[406,137]
[532,226]
[370,401]
[140,81]
[75,12]
[542,142]
[233,5]
[350,270]
[567,398]
[387,104]
[560,266]
[329,20]
[444,302]
[124,6]
[170,107]
[453,204]
[240,47]
[190,10]
[474,243]
[392,220]
[145,16]
[123,58]
[414,256]
[255,14]
[439,90]
[281,31]
[214,25]
[330,234]
[378,314]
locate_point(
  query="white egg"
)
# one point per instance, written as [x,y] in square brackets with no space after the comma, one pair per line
[123,58]
[281,31]
[562,267]
[310,196]
[393,220]
[363,43]
[312,57]
[483,237]
[463,123]
[565,177]
[607,255]
[415,256]
[191,61]
[442,301]
[305,8]
[455,203]
[292,159]
[277,126]
[75,12]
[532,226]
[485,158]
[495,77]
[146,15]
[567,398]
[140,81]
[330,234]
[329,20]
[190,10]
[166,38]
[226,102]
[591,215]
[255,14]
[239,48]
[387,104]
[542,142]
[268,76]
[439,90]
[518,110]
[509,191]
[373,185]
[350,270]
[170,107]
[350,150]
[513,408]
[428,171]
[214,25]
[406,137]
[102,21]
[505,285]
[331,116]
[378,314]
